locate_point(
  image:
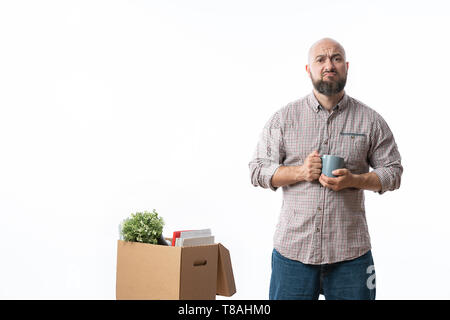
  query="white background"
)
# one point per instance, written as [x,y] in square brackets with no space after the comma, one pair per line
[113,107]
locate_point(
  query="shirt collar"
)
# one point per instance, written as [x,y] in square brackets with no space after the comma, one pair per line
[315,105]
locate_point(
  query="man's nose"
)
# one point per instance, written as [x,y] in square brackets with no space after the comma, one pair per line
[329,66]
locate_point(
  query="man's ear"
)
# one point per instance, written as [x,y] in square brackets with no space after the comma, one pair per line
[307,70]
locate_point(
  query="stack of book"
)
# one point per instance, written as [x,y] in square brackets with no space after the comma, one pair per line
[189,238]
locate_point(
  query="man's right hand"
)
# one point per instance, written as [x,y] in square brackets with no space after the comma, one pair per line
[310,170]
[312,167]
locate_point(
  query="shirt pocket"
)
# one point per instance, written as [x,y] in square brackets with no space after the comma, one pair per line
[353,147]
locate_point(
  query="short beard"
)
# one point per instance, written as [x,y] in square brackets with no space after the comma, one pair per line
[329,88]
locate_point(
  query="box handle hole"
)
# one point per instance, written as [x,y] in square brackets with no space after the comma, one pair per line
[199,263]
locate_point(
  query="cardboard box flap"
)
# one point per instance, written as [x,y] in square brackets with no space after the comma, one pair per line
[225,278]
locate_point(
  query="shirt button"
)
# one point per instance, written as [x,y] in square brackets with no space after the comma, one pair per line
[317,229]
[319,208]
[325,142]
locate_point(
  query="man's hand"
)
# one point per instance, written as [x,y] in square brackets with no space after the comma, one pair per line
[345,179]
[311,168]
[308,171]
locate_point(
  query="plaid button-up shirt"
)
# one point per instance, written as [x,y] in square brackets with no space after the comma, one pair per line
[316,224]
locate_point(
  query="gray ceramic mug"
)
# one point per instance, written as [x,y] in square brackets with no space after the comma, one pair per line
[331,163]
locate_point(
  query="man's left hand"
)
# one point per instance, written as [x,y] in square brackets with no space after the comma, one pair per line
[345,179]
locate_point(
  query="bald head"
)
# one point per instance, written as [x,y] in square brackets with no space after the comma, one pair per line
[325,44]
[327,67]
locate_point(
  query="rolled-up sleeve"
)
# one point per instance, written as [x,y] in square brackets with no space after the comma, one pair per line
[384,156]
[269,154]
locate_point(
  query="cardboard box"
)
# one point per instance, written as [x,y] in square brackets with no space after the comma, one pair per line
[147,271]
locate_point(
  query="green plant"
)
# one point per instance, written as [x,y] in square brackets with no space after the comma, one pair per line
[143,227]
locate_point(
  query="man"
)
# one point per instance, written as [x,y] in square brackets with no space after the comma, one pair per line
[321,242]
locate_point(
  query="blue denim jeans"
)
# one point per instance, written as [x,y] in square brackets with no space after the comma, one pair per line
[346,280]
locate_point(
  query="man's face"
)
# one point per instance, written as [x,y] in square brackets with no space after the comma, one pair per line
[327,68]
